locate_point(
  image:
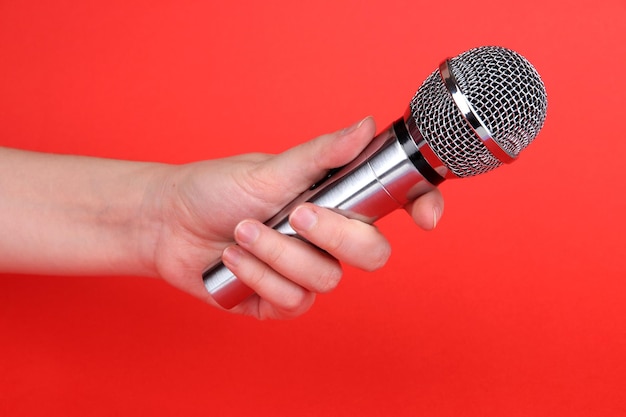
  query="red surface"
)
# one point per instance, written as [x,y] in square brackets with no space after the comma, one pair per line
[515,306]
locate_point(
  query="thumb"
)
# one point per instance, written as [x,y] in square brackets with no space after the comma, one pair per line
[303,165]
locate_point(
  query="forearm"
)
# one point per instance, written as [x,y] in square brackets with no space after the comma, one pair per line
[64,214]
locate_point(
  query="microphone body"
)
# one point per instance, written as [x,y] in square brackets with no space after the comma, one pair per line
[388,174]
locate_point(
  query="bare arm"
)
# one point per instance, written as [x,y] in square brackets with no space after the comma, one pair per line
[62,214]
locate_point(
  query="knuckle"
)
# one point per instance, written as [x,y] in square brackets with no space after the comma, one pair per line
[378,258]
[336,241]
[274,253]
[255,277]
[329,280]
[293,303]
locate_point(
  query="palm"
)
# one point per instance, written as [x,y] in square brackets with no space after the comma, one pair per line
[201,204]
[206,201]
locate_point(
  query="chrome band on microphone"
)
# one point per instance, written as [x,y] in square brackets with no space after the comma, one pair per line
[413,152]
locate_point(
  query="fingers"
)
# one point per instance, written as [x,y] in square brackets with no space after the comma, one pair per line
[287,272]
[352,241]
[275,296]
[280,256]
[283,271]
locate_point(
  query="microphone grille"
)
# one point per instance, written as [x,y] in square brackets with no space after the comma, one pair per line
[504,90]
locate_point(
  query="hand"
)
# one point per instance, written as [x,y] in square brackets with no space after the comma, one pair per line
[198,210]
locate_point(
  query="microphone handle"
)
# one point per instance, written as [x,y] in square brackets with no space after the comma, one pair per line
[384,177]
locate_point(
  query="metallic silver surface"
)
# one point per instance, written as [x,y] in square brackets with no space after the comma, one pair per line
[380,180]
[505,93]
[469,114]
[477,111]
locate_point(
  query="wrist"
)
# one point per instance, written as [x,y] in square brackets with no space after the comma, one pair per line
[71,215]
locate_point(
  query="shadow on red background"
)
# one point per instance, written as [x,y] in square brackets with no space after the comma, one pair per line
[515,305]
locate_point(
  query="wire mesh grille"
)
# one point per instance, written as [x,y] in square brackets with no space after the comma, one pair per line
[506,92]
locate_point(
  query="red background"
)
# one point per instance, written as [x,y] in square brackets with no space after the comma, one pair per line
[514,306]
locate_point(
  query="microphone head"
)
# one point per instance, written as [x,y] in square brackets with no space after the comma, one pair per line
[479,109]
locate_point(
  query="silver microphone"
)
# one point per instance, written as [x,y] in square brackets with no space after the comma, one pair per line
[477,111]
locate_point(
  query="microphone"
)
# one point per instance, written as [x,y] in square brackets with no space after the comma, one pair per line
[477,111]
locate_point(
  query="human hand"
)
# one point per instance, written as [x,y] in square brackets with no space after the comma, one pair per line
[199,210]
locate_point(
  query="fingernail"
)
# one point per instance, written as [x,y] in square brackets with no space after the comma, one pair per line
[436,216]
[232,255]
[354,127]
[303,218]
[247,232]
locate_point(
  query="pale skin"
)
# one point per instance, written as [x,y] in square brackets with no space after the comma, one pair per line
[74,215]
